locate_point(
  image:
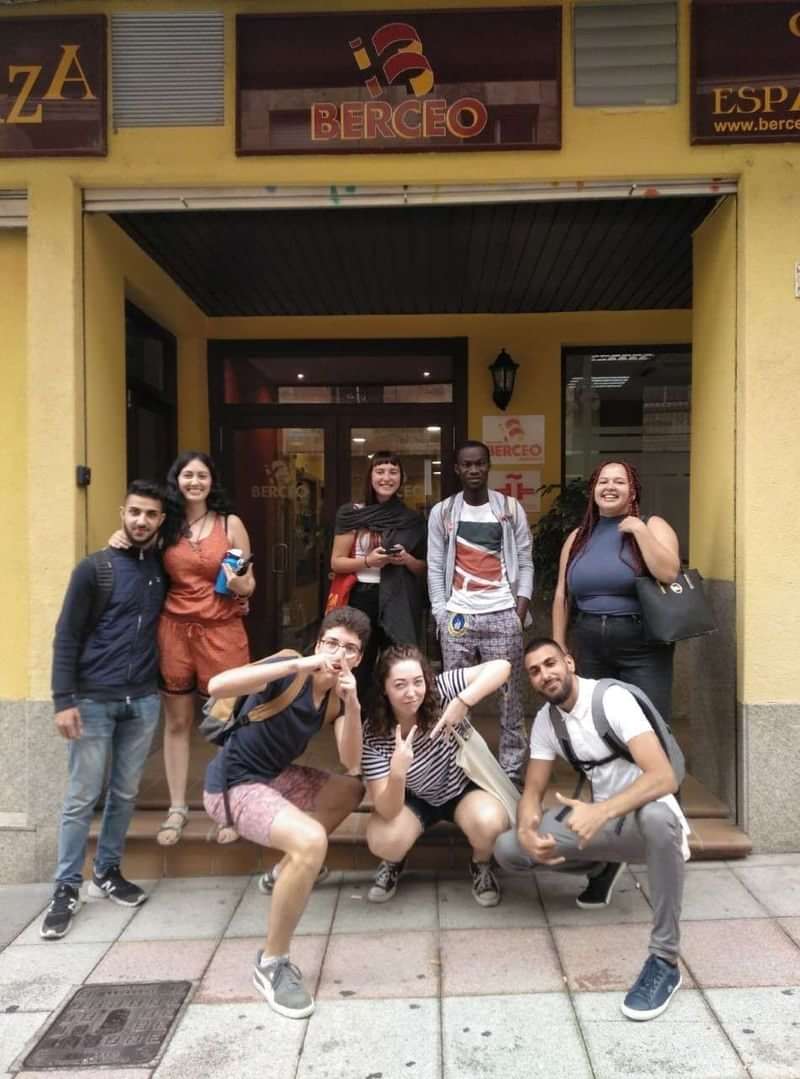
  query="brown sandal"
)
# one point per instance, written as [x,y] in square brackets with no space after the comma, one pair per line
[172,826]
[221,834]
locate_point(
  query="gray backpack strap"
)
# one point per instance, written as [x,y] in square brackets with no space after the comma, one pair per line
[659,725]
[560,731]
[601,724]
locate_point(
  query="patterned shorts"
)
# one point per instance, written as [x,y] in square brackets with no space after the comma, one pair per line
[254,806]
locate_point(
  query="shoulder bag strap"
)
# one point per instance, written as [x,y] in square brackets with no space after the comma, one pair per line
[284,699]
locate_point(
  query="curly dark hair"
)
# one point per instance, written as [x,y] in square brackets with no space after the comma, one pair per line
[174,526]
[382,717]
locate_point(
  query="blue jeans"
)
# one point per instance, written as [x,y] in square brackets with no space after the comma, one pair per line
[122,731]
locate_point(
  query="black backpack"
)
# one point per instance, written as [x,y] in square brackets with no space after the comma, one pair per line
[103,585]
[617,748]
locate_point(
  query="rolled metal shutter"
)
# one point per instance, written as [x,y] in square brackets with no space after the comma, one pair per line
[168,69]
[626,53]
[13,209]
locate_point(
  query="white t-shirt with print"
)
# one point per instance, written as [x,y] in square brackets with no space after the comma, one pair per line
[626,720]
[480,581]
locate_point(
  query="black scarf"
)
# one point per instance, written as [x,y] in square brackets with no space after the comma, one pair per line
[402,593]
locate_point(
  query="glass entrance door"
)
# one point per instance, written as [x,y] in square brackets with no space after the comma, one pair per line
[420,449]
[286,483]
[294,425]
[278,486]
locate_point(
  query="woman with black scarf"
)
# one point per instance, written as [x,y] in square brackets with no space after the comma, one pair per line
[383,542]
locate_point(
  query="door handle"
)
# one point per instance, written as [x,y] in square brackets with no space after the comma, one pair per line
[280,564]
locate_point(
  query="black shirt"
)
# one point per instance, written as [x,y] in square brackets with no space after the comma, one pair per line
[257,752]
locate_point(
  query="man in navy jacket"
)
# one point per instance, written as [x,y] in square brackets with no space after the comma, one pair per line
[105,692]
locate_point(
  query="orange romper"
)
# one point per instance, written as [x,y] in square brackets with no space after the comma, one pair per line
[200,632]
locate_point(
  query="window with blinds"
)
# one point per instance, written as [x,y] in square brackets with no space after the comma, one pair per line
[626,53]
[168,69]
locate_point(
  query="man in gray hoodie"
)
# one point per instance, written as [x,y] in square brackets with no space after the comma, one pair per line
[480,582]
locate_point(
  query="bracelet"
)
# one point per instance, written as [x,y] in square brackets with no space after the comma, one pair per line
[366,561]
[465,703]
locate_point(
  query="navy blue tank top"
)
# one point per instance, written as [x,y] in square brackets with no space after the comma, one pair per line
[598,580]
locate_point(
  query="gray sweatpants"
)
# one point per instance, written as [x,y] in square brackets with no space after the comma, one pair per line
[651,834]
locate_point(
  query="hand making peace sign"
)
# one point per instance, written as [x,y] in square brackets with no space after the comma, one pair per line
[403,753]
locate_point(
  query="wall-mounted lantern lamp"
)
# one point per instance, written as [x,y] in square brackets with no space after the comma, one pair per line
[504,371]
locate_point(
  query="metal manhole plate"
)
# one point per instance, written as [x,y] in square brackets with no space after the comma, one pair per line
[112,1025]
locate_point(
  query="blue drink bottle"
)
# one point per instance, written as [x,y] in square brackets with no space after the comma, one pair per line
[233,559]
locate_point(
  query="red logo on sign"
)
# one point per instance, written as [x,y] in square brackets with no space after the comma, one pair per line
[415,118]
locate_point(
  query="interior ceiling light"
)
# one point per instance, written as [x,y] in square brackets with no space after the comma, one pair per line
[426,374]
[623,357]
[601,382]
[359,440]
[300,374]
[436,462]
[433,430]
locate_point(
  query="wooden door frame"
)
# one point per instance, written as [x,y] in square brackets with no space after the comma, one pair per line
[221,414]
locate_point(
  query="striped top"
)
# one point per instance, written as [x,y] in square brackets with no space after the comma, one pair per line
[434,775]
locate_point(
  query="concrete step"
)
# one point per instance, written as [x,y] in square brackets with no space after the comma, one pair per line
[444,847]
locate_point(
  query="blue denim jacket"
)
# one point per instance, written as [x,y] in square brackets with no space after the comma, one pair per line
[517,547]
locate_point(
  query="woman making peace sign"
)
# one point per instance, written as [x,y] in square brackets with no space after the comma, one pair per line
[409,765]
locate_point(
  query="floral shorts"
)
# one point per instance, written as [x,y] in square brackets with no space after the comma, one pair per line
[254,806]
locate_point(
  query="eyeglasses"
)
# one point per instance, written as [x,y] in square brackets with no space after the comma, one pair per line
[332,646]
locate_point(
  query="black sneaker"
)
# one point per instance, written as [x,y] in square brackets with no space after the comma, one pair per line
[112,885]
[485,889]
[385,884]
[599,889]
[64,905]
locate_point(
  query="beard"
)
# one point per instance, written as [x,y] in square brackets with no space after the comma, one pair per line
[559,695]
[137,541]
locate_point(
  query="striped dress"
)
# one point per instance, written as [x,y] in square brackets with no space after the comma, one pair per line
[434,775]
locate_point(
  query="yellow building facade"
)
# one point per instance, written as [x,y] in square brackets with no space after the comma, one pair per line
[67,270]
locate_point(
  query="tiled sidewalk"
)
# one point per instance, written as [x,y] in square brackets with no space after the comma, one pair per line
[431,986]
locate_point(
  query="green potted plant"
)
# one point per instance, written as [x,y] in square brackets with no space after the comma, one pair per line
[565,513]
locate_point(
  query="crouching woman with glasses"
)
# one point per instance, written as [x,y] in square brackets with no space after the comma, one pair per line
[279,804]
[410,767]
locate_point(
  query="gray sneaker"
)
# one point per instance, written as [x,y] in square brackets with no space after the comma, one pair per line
[281,984]
[267,881]
[485,889]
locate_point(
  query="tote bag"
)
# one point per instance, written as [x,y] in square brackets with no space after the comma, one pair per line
[479,763]
[677,611]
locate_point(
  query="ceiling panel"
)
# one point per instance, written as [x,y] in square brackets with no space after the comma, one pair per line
[508,258]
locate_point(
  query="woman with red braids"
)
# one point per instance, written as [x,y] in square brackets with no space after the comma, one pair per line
[596,590]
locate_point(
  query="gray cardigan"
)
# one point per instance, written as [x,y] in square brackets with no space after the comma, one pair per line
[517,547]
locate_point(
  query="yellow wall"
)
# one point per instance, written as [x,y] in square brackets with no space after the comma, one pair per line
[713,457]
[116,269]
[13,465]
[768,444]
[625,143]
[598,143]
[534,341]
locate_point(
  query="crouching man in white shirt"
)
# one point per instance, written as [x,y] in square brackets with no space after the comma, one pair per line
[633,816]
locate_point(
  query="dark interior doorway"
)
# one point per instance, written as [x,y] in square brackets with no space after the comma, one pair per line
[294,425]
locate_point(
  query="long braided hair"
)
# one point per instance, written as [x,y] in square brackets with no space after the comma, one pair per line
[592,516]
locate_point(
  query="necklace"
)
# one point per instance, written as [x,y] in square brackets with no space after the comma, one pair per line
[194,542]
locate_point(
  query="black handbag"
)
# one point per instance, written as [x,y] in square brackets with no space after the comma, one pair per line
[677,611]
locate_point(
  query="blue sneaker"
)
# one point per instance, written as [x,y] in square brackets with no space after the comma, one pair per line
[652,991]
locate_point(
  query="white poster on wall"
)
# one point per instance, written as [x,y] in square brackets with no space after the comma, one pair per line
[522,484]
[514,440]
